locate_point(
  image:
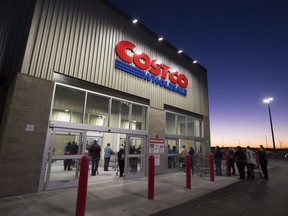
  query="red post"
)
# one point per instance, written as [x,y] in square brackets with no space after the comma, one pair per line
[82,186]
[151,177]
[211,167]
[188,172]
[228,165]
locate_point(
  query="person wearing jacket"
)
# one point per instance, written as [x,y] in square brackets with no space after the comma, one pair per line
[251,162]
[218,160]
[94,151]
[240,158]
[263,161]
[107,155]
[121,161]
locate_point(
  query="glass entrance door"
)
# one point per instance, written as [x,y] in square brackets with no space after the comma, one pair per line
[66,148]
[135,156]
[172,158]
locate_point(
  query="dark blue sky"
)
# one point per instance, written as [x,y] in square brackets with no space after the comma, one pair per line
[244,46]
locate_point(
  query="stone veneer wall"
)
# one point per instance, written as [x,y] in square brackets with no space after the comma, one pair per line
[21,150]
[157,128]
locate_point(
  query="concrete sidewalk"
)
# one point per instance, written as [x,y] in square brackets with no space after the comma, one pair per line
[119,197]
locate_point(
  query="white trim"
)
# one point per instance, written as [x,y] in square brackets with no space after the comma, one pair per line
[78,126]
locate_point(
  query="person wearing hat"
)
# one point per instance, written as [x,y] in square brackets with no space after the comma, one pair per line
[94,151]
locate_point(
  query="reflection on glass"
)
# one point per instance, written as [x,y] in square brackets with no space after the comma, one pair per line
[190,126]
[197,128]
[135,145]
[58,173]
[172,161]
[67,143]
[96,110]
[135,165]
[172,147]
[170,123]
[181,125]
[139,114]
[68,105]
[120,114]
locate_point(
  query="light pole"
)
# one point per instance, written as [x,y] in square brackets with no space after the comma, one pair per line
[266,140]
[267,100]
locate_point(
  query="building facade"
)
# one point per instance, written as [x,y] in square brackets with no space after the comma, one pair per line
[78,71]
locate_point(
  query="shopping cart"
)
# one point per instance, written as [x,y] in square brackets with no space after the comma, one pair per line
[201,165]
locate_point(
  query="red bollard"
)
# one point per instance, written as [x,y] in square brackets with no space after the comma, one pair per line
[82,186]
[151,177]
[188,172]
[228,165]
[211,167]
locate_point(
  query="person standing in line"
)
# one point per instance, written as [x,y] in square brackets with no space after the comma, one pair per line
[251,162]
[191,153]
[218,160]
[107,155]
[121,161]
[240,158]
[94,151]
[67,151]
[232,159]
[182,156]
[263,161]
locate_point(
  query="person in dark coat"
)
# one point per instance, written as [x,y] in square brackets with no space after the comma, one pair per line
[263,159]
[191,153]
[240,157]
[218,160]
[121,161]
[68,151]
[94,151]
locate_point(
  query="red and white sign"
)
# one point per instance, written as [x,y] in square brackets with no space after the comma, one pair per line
[127,52]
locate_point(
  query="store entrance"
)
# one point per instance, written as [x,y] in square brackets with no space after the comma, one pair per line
[66,147]
[135,156]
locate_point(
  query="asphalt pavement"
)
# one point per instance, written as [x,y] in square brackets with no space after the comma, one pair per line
[257,197]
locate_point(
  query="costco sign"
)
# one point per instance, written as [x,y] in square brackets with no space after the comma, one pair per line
[149,69]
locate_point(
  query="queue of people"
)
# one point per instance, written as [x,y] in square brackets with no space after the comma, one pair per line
[70,148]
[248,160]
[95,154]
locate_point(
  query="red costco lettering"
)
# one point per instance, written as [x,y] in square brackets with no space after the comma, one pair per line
[127,52]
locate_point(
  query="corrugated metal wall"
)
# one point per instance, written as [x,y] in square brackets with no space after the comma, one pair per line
[78,37]
[15,18]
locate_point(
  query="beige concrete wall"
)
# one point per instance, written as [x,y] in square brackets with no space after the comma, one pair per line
[22,150]
[157,129]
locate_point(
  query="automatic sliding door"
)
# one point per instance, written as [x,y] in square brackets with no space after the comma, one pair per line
[172,159]
[66,150]
[135,156]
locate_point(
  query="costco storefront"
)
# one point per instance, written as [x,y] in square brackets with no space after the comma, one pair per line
[85,72]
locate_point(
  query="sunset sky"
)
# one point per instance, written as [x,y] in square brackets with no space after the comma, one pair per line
[244,46]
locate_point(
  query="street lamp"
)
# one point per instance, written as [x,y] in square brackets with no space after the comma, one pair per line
[266,140]
[267,100]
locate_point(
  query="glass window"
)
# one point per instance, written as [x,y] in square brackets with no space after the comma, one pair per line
[96,110]
[185,125]
[170,123]
[120,114]
[197,128]
[139,114]
[181,125]
[190,126]
[68,105]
